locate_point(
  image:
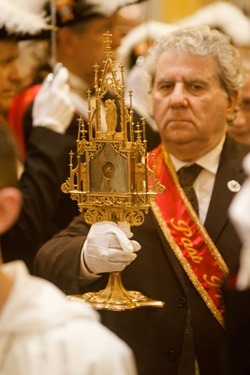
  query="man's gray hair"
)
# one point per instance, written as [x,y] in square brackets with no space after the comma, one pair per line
[204,41]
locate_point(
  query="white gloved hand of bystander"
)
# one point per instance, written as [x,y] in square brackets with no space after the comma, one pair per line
[53,107]
[239,213]
[108,247]
[243,277]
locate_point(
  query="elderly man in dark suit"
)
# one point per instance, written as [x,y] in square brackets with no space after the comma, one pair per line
[188,244]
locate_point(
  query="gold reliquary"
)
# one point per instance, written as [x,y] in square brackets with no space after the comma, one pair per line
[110,180]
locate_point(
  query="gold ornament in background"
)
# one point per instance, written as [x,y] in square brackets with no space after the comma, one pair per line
[111,178]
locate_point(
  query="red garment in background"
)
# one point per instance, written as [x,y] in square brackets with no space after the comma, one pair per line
[16,114]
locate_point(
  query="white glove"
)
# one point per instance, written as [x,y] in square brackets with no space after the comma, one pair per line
[108,248]
[239,213]
[243,277]
[53,107]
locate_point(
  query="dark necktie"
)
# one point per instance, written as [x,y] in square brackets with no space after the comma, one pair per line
[187,176]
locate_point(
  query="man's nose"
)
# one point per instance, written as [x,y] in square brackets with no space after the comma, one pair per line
[178,96]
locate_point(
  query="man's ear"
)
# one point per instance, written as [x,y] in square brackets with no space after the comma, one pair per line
[233,100]
[10,205]
[232,106]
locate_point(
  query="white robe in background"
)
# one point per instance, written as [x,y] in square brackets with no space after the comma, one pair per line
[44,333]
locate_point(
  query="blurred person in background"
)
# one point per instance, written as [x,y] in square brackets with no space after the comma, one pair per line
[41,172]
[239,129]
[81,25]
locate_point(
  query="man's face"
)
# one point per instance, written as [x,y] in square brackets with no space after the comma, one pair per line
[10,79]
[189,104]
[89,47]
[240,130]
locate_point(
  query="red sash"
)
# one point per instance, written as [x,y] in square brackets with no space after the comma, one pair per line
[187,236]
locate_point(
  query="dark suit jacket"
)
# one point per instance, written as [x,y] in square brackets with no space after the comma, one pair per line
[237,321]
[156,334]
[40,187]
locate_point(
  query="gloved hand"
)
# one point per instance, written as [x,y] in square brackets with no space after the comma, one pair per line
[243,277]
[108,248]
[239,214]
[53,107]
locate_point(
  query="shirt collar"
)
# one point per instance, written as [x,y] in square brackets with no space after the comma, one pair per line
[209,161]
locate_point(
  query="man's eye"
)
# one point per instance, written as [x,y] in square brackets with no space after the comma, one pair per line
[196,87]
[165,86]
[245,104]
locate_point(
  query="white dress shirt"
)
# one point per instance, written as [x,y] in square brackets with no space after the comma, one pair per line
[204,183]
